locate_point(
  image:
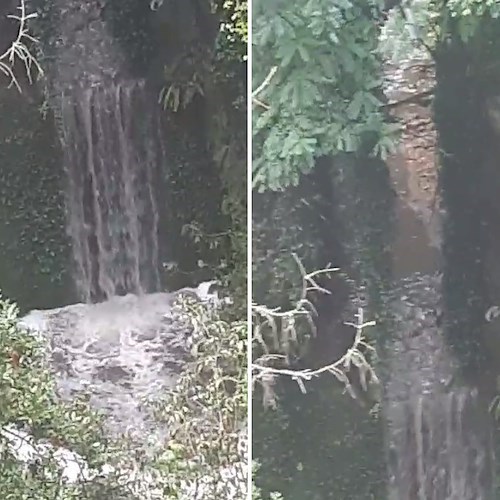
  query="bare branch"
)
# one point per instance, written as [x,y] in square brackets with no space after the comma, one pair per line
[262,372]
[281,329]
[262,86]
[18,50]
[266,81]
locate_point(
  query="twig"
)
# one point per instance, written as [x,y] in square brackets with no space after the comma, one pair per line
[19,50]
[262,368]
[303,308]
[262,86]
[260,103]
[266,81]
[308,284]
[352,356]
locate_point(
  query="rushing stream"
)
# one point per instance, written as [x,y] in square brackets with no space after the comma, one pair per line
[125,351]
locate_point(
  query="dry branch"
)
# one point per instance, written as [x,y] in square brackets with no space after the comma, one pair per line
[262,86]
[279,327]
[18,50]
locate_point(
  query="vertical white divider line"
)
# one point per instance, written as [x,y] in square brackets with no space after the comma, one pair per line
[249,244]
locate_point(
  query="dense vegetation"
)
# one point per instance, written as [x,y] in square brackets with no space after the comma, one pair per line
[205,455]
[324,62]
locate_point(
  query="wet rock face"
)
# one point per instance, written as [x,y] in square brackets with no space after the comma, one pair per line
[121,351]
[82,49]
[421,362]
[8,26]
[438,430]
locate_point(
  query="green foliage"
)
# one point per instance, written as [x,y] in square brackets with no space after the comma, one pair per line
[325,96]
[29,403]
[233,34]
[465,17]
[405,31]
[207,410]
[431,22]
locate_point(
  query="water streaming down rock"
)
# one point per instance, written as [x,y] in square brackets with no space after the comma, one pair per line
[123,351]
[439,434]
[112,158]
[110,126]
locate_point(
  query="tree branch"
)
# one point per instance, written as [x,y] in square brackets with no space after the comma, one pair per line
[281,327]
[262,86]
[353,356]
[18,49]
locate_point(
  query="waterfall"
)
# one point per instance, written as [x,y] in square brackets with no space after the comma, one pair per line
[440,448]
[122,352]
[112,159]
[110,127]
[439,433]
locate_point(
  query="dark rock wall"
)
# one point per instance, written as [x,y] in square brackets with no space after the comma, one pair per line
[83,44]
[34,250]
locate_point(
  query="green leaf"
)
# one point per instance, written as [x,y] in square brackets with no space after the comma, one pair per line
[303,53]
[354,108]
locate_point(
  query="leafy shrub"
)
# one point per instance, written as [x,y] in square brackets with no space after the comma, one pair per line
[207,410]
[29,406]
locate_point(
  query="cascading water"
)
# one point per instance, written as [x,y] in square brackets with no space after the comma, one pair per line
[121,351]
[110,124]
[111,159]
[124,340]
[439,434]
[127,345]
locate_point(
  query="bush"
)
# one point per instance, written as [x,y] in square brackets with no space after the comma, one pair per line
[206,413]
[203,457]
[38,429]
